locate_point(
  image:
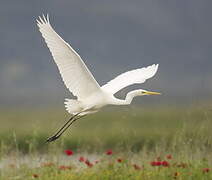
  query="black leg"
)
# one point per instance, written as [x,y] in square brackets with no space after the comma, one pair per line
[59,134]
[54,137]
[64,128]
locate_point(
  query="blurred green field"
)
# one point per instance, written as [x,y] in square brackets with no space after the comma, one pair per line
[132,129]
[137,135]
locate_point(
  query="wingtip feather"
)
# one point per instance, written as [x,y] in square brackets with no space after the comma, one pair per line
[43,20]
[47,16]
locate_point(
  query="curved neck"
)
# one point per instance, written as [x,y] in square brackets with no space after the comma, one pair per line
[131,95]
[128,98]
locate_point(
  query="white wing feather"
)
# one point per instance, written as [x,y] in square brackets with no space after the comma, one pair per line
[131,77]
[76,76]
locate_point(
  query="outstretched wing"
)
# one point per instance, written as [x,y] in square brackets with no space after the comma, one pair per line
[131,77]
[76,76]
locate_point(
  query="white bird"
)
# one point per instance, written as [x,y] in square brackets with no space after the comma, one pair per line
[81,83]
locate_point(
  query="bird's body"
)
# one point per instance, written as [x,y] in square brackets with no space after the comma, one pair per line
[79,80]
[97,100]
[90,104]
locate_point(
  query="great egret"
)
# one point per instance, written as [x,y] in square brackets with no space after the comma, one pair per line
[79,80]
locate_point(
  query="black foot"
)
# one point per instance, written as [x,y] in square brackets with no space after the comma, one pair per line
[52,138]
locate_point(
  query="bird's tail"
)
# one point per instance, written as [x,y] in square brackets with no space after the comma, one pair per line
[73,106]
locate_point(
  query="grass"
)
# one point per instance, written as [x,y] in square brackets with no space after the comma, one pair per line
[118,165]
[137,136]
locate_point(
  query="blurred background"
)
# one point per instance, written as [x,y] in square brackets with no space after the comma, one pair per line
[111,37]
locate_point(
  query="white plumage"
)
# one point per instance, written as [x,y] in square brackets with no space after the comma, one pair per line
[79,80]
[136,76]
[74,72]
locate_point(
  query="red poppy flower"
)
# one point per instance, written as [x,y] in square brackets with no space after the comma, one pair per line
[81,159]
[136,167]
[169,156]
[158,163]
[109,152]
[88,163]
[69,152]
[205,170]
[119,160]
[35,176]
[165,163]
[155,163]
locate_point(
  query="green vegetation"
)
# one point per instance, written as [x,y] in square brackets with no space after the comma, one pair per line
[137,136]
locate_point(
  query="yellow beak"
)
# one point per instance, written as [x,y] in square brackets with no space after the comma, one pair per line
[151,93]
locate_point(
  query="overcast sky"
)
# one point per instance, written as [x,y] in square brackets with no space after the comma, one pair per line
[111,37]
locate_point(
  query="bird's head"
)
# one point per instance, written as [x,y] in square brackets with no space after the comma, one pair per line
[143,92]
